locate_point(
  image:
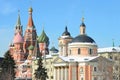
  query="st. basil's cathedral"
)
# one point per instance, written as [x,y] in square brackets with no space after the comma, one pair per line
[27,47]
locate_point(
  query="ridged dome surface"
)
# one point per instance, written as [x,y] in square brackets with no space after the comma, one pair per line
[43,38]
[83,38]
[31,47]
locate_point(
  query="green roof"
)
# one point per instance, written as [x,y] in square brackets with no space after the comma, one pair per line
[43,38]
[18,21]
[31,47]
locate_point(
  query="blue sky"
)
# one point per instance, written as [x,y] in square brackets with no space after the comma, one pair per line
[102,19]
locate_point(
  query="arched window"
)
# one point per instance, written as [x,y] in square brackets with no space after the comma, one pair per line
[95,69]
[90,51]
[70,51]
[79,51]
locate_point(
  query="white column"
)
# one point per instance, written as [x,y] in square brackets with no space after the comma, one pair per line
[66,73]
[55,74]
[59,73]
[62,73]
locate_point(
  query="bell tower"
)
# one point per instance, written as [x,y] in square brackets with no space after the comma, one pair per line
[63,42]
[30,33]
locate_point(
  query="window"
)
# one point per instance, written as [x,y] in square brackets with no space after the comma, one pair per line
[90,51]
[81,69]
[95,78]
[95,69]
[110,57]
[82,78]
[79,51]
[115,57]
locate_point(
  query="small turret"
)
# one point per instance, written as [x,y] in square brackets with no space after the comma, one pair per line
[82,28]
[43,43]
[64,40]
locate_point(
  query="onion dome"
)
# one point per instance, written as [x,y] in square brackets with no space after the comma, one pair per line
[30,9]
[83,38]
[83,24]
[66,33]
[54,50]
[43,38]
[31,47]
[18,38]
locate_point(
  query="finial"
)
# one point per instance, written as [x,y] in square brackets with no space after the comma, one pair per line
[18,11]
[66,29]
[30,10]
[43,27]
[83,19]
[113,43]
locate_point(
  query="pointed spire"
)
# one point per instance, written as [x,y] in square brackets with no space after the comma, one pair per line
[113,43]
[30,20]
[18,20]
[18,26]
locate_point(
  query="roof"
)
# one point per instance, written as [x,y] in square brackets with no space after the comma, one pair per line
[83,38]
[18,38]
[77,59]
[18,21]
[43,38]
[53,49]
[31,47]
[109,49]
[30,20]
[82,24]
[66,33]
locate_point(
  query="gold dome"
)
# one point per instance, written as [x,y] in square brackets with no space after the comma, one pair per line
[30,9]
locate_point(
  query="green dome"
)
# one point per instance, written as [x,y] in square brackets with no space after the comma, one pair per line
[43,38]
[31,47]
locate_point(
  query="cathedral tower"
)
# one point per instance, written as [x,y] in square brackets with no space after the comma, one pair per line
[63,42]
[30,33]
[18,27]
[18,47]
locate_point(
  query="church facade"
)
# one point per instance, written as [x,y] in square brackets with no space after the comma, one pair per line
[78,59]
